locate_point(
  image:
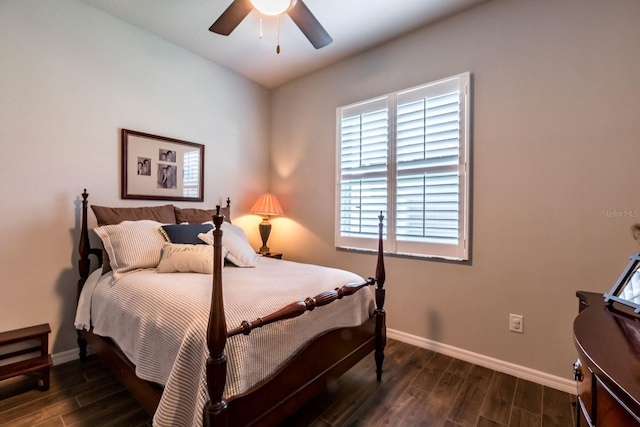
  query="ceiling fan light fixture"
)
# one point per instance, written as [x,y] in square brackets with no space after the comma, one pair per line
[273,7]
[299,13]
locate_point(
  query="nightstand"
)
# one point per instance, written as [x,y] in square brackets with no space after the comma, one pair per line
[272,255]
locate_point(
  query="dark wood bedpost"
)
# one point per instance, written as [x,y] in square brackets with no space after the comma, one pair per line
[381,327]
[84,247]
[215,411]
[84,264]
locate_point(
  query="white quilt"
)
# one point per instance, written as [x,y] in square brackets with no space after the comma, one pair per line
[160,322]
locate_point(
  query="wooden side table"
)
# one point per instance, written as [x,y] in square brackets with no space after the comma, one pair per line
[40,364]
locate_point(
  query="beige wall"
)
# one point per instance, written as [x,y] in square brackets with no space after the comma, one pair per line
[556,141]
[71,77]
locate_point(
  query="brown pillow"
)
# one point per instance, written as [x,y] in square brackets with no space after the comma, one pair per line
[112,216]
[198,216]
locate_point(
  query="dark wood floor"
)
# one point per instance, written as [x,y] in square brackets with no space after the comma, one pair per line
[419,388]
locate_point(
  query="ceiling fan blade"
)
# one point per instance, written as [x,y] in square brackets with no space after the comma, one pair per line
[232,17]
[309,25]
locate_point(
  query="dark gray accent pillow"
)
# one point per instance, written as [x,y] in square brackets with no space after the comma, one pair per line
[185,233]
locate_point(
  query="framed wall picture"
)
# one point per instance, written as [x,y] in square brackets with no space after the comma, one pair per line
[160,168]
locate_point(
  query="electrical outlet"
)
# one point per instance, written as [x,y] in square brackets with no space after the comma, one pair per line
[516,323]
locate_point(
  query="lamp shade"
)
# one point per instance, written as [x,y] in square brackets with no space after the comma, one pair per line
[267,204]
[272,7]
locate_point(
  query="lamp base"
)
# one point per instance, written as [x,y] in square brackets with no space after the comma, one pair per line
[265,230]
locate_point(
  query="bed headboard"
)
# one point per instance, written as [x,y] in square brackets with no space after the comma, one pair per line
[113,215]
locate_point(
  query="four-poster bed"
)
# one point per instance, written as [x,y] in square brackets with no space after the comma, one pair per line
[309,370]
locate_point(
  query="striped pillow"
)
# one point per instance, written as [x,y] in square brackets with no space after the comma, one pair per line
[132,245]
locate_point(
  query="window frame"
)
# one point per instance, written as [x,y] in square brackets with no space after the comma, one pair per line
[457,252]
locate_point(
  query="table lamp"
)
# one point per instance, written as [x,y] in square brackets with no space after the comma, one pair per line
[266,205]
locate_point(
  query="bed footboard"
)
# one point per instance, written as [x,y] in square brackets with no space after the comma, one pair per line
[299,308]
[299,382]
[306,376]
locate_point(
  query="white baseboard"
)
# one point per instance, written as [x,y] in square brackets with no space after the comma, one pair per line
[65,356]
[518,371]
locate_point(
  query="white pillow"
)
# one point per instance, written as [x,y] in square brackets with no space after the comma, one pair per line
[132,245]
[184,258]
[227,226]
[240,252]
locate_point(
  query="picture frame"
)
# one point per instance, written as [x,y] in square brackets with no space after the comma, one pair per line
[626,290]
[160,168]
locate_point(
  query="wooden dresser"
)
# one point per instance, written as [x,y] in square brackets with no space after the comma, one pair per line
[608,368]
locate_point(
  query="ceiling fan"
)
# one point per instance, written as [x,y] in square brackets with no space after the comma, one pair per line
[296,9]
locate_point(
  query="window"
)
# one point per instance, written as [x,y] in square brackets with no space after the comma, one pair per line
[405,155]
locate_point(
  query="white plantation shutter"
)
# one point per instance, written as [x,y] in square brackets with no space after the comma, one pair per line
[430,174]
[411,165]
[363,136]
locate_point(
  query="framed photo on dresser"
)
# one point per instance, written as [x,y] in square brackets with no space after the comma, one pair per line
[160,168]
[627,289]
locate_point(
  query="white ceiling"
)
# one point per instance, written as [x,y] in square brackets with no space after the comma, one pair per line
[354,25]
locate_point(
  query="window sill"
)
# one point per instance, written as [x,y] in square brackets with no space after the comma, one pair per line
[406,256]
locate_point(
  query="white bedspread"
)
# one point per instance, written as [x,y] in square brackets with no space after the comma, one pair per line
[160,322]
